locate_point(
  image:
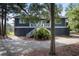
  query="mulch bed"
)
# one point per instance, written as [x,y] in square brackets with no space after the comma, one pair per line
[69,50]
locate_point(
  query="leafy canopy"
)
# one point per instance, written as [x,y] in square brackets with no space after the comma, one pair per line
[37,11]
[73,16]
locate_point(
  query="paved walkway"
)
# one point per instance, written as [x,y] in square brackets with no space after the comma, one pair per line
[12,47]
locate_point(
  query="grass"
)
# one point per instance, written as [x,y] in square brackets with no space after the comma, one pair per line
[10,33]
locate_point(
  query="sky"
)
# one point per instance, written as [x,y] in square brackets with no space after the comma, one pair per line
[64,7]
[11,21]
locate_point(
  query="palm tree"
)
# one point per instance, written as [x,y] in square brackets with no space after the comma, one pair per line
[52,47]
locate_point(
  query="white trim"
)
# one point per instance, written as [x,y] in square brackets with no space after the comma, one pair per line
[60,27]
[35,27]
[23,27]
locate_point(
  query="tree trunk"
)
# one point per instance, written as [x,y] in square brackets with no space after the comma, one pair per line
[2,23]
[52,47]
[5,19]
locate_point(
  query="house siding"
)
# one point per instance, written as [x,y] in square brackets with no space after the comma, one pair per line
[24,30]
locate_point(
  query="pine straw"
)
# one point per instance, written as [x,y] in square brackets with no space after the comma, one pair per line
[69,50]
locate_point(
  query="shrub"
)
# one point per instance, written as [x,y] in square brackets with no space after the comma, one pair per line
[42,34]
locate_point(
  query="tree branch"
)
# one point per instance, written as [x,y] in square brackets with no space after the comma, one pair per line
[22,8]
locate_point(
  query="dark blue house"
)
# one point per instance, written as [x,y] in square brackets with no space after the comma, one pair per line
[22,29]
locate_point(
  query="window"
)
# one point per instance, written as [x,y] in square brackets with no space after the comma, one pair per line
[22,21]
[58,21]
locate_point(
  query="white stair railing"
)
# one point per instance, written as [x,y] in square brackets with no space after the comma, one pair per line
[37,25]
[34,25]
